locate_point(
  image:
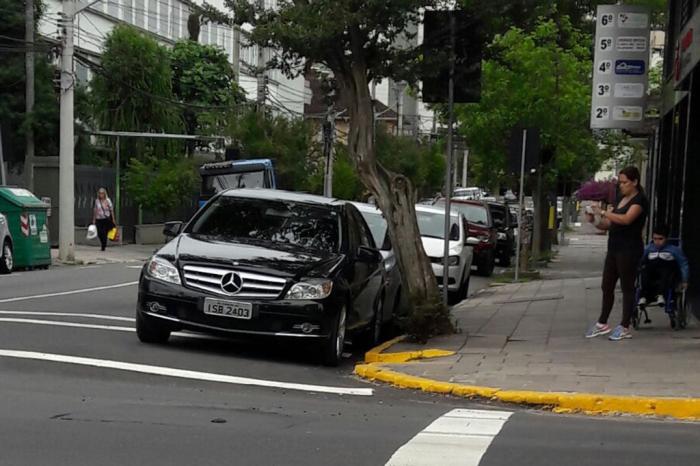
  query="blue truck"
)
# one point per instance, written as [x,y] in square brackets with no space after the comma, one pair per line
[219,176]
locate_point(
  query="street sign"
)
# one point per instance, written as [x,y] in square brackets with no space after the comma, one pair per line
[621,67]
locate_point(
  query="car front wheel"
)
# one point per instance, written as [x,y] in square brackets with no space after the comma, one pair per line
[149,331]
[332,350]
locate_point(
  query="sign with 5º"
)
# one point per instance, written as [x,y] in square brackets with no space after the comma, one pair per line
[621,65]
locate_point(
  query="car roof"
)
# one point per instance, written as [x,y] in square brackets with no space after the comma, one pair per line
[282,195]
[364,207]
[475,202]
[432,209]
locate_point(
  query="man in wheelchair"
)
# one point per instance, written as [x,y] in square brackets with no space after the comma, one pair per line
[661,265]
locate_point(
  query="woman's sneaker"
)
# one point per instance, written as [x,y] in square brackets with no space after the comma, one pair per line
[620,333]
[597,329]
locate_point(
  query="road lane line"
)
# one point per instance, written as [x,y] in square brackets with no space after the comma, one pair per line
[64,293]
[183,374]
[60,323]
[460,437]
[68,314]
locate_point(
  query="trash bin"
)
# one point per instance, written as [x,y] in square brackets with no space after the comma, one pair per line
[27,220]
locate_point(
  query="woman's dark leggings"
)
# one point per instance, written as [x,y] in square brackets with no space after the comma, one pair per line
[103,226]
[622,265]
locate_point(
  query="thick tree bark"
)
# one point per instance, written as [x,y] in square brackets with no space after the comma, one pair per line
[396,199]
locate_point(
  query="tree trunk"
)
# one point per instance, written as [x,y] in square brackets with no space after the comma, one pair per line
[395,197]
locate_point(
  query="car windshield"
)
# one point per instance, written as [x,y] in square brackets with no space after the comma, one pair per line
[377,225]
[276,224]
[217,183]
[498,214]
[432,225]
[473,213]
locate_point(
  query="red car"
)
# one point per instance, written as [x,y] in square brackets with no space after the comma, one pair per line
[480,226]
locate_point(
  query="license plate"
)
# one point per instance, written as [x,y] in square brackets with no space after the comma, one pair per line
[233,309]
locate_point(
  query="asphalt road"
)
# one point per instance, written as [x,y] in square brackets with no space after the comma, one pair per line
[78,388]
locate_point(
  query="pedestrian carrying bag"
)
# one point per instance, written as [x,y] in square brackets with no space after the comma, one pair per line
[92,232]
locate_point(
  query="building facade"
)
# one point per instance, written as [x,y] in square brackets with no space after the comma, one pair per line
[675,160]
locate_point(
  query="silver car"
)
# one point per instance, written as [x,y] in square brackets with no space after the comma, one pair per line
[6,259]
[377,225]
[431,223]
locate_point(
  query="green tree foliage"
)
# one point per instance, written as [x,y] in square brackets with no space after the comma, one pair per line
[161,184]
[132,88]
[13,117]
[534,80]
[203,79]
[289,142]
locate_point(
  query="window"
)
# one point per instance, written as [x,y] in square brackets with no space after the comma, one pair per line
[365,234]
[139,13]
[281,225]
[175,20]
[377,226]
[432,225]
[164,19]
[113,8]
[153,15]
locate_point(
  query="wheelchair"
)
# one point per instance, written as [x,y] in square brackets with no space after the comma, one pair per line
[675,305]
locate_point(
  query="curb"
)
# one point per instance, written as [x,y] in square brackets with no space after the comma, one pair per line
[687,409]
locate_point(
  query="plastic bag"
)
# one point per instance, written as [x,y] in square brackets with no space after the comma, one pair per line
[92,232]
[113,234]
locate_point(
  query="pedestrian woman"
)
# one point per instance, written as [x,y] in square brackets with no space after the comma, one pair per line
[624,221]
[103,216]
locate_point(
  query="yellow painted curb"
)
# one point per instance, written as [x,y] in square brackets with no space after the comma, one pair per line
[588,403]
[560,402]
[376,354]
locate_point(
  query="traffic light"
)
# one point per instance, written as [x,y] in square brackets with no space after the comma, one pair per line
[469,42]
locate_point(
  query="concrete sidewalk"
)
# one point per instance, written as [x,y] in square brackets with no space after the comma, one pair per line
[530,337]
[113,254]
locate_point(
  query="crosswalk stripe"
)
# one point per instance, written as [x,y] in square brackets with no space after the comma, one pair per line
[460,437]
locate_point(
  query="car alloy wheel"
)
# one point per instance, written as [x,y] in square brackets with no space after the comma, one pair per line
[8,262]
[340,334]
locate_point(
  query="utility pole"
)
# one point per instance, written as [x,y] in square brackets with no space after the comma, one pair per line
[261,74]
[448,165]
[66,186]
[236,55]
[465,166]
[328,130]
[66,219]
[399,108]
[29,93]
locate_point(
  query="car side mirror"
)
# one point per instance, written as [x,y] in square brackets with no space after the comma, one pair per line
[172,229]
[471,241]
[367,254]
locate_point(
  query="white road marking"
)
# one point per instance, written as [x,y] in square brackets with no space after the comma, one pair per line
[134,266]
[90,267]
[460,437]
[64,293]
[68,314]
[60,323]
[183,374]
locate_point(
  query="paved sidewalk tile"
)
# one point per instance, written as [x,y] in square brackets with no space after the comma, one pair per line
[530,336]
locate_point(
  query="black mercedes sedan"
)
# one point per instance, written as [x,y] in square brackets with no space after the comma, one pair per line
[262,262]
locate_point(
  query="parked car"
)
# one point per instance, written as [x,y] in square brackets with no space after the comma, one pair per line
[377,225]
[468,193]
[263,262]
[481,227]
[431,223]
[505,224]
[6,258]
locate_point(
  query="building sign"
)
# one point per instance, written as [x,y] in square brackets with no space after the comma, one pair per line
[621,67]
[687,53]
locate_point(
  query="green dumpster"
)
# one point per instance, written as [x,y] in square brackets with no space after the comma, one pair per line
[27,219]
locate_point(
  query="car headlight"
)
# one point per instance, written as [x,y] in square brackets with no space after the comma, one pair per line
[500,235]
[160,269]
[310,289]
[453,260]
